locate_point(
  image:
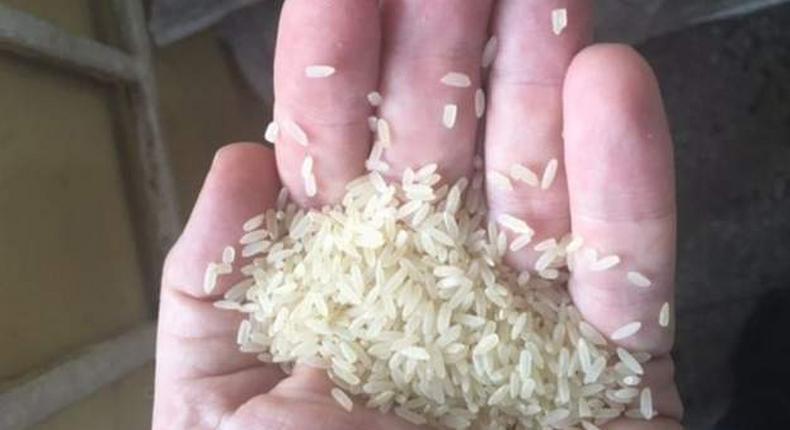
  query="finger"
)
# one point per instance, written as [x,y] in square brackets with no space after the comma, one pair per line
[195,338]
[332,111]
[621,183]
[524,123]
[423,42]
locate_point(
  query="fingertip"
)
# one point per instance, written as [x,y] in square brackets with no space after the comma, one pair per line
[610,70]
[242,152]
[616,134]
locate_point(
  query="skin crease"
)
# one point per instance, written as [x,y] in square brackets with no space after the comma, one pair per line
[615,185]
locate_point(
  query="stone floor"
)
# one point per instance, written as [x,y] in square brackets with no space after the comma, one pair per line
[727,92]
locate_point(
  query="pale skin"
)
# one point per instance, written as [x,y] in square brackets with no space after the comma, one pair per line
[596,109]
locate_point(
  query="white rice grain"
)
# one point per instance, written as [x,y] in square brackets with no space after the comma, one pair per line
[627,330]
[517,225]
[319,71]
[646,403]
[456,79]
[638,279]
[342,399]
[374,98]
[272,132]
[296,132]
[629,361]
[228,254]
[499,180]
[480,103]
[549,173]
[559,20]
[490,51]
[663,315]
[522,173]
[449,115]
[383,131]
[605,263]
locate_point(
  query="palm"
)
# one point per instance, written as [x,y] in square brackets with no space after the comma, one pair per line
[615,187]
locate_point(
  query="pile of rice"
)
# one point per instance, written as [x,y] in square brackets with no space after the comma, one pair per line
[401,293]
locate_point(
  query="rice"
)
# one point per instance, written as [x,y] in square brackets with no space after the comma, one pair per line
[410,416]
[449,115]
[490,51]
[517,225]
[210,278]
[663,315]
[646,403]
[374,98]
[272,132]
[545,245]
[638,279]
[499,180]
[605,263]
[310,186]
[307,167]
[559,20]
[400,292]
[549,173]
[296,132]
[319,71]
[520,242]
[480,103]
[627,330]
[456,79]
[228,254]
[383,131]
[521,173]
[629,361]
[253,223]
[342,399]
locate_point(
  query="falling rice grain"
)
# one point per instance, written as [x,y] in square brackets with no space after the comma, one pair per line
[319,71]
[480,103]
[228,254]
[663,315]
[626,330]
[296,132]
[638,279]
[549,173]
[559,20]
[605,263]
[272,132]
[374,98]
[449,115]
[490,51]
[629,361]
[499,180]
[646,403]
[342,399]
[456,79]
[522,173]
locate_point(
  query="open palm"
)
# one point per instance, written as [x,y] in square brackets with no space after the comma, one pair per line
[596,109]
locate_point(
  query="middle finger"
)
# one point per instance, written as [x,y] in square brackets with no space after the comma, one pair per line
[432,114]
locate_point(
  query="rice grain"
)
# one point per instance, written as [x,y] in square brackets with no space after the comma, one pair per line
[626,330]
[456,79]
[319,71]
[663,315]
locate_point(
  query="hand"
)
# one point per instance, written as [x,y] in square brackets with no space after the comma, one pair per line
[615,185]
